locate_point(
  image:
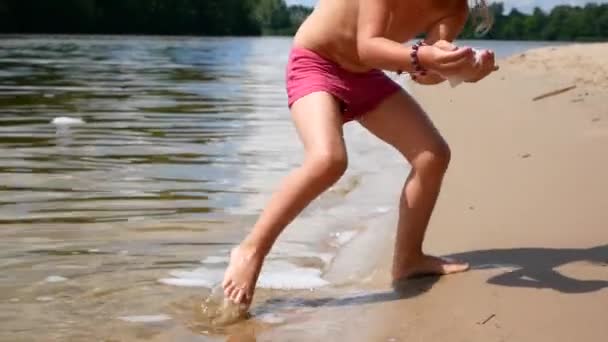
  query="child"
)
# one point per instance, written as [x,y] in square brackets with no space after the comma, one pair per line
[333,77]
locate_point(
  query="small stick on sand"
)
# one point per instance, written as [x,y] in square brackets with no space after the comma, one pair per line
[553,93]
[487,319]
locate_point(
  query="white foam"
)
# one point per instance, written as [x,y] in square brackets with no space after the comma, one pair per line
[199,273]
[215,259]
[343,238]
[185,282]
[71,267]
[276,274]
[44,299]
[55,279]
[64,120]
[200,277]
[383,210]
[285,250]
[145,318]
[271,318]
[296,279]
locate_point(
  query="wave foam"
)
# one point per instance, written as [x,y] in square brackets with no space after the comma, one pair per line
[276,274]
[64,120]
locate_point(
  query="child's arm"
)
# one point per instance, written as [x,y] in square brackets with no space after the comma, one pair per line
[441,35]
[375,50]
[448,28]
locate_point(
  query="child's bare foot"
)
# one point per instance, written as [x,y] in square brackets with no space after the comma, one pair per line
[427,265]
[242,274]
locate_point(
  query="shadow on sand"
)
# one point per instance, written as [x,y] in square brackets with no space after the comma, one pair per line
[525,267]
[536,267]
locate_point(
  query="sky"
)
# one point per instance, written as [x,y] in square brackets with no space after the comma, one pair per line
[523,5]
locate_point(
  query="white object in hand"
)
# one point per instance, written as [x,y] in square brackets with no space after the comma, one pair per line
[456,80]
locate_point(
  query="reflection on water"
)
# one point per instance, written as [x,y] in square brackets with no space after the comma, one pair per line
[126,161]
[162,119]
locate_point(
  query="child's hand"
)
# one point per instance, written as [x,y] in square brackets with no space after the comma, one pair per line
[445,45]
[446,60]
[468,69]
[485,66]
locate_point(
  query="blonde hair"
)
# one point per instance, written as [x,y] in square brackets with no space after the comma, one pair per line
[482,17]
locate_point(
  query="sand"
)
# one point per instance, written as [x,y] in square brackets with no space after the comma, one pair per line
[524,201]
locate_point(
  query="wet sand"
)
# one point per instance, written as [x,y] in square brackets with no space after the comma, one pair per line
[524,201]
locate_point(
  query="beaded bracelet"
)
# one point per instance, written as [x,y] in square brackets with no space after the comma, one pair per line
[415,61]
[418,68]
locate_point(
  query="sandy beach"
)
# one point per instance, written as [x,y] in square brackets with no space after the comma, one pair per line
[524,201]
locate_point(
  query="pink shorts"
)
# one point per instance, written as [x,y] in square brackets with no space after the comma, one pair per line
[358,93]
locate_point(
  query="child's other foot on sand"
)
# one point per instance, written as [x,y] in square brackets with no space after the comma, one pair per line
[242,274]
[427,265]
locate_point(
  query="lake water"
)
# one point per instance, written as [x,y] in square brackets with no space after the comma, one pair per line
[129,166]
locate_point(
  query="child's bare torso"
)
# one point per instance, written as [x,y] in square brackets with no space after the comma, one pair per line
[331,30]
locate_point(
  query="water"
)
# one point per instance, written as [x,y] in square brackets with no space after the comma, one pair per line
[129,166]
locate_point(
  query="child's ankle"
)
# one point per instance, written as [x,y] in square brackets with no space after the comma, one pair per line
[253,249]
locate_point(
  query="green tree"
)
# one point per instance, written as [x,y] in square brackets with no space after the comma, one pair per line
[533,24]
[562,23]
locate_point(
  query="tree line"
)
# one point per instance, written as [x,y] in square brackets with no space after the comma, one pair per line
[565,23]
[170,17]
[258,17]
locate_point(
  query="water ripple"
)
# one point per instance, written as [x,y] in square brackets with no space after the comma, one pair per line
[155,113]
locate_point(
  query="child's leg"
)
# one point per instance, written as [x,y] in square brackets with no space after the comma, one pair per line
[401,122]
[319,124]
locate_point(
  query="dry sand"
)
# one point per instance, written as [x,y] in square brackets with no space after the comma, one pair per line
[525,200]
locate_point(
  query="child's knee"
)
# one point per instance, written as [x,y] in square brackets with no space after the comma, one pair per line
[433,162]
[327,166]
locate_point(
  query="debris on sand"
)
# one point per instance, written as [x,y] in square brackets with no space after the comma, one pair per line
[487,319]
[553,93]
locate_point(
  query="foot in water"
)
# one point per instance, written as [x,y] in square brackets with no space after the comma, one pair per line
[428,265]
[242,274]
